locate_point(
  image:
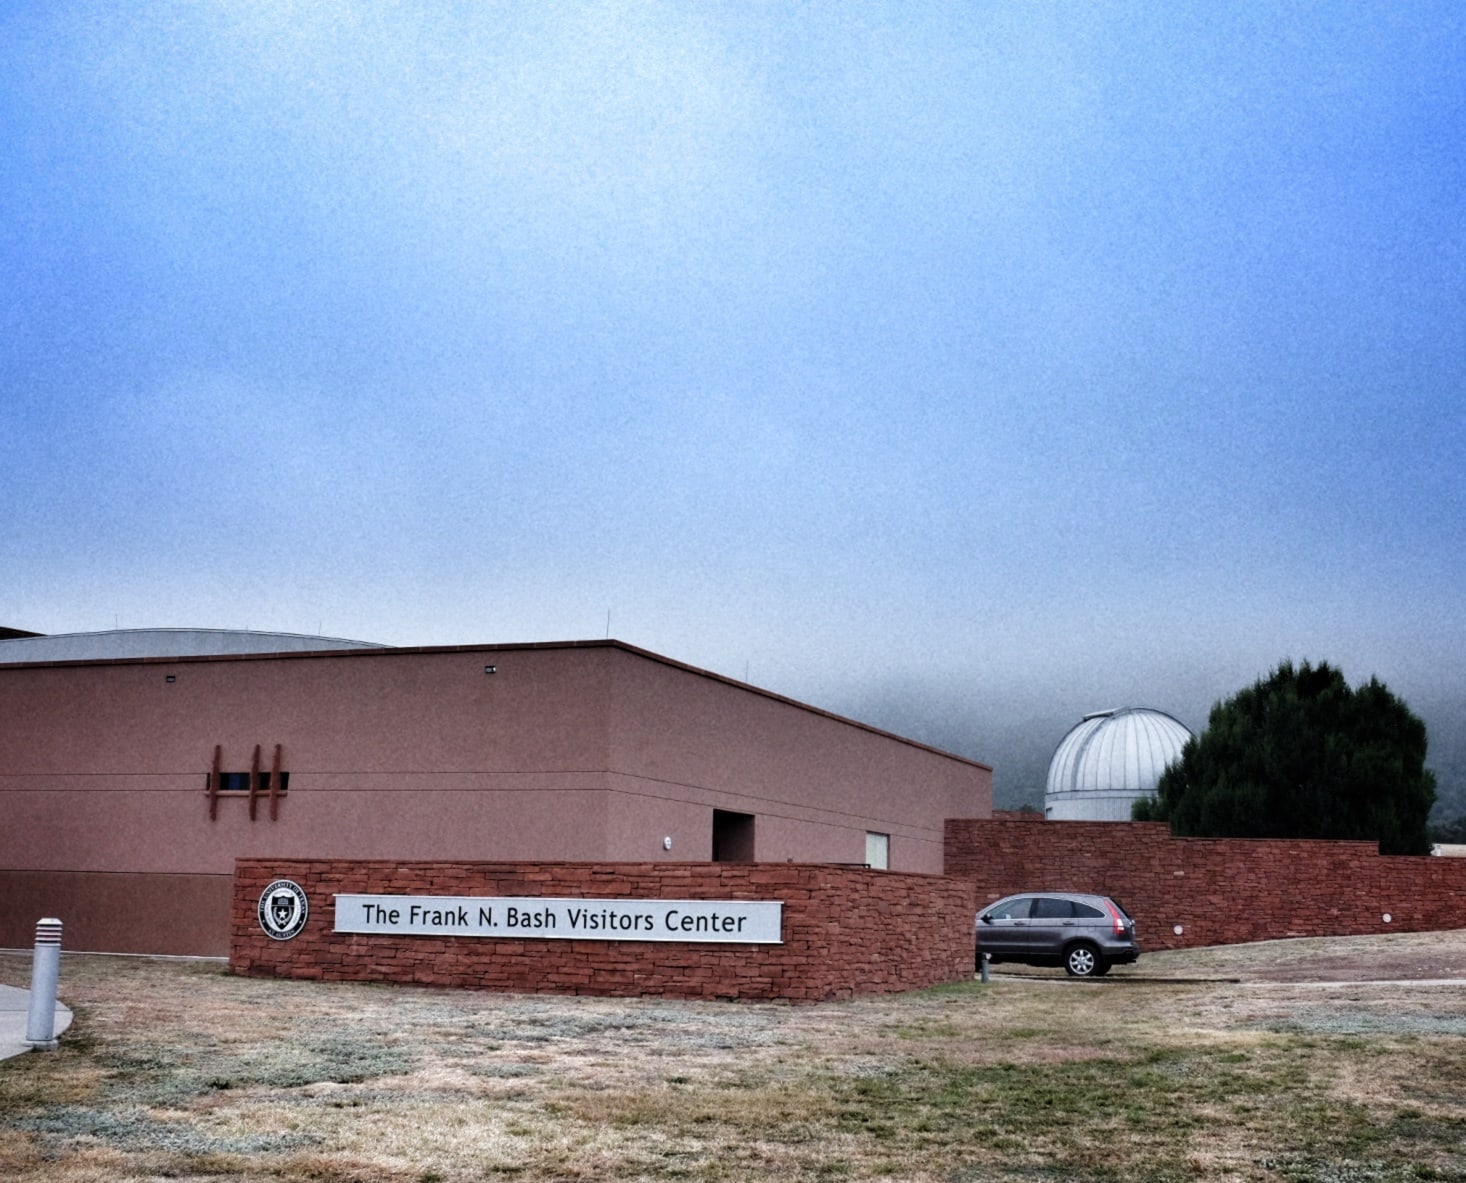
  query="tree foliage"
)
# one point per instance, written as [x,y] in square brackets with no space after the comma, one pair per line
[1301,755]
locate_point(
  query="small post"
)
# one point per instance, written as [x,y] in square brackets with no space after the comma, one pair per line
[214,782]
[254,782]
[40,1022]
[275,786]
[984,967]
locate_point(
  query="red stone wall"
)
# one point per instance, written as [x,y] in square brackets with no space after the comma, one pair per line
[1218,891]
[847,931]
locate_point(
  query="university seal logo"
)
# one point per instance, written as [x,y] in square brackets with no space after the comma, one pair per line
[283,910]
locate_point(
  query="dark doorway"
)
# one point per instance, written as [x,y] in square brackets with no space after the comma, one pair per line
[732,837]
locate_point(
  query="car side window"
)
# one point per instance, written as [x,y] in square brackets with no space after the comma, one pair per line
[1012,910]
[1046,909]
[1089,913]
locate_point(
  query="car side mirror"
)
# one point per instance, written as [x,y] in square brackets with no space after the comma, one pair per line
[985,918]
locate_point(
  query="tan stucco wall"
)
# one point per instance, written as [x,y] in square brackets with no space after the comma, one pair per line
[185,915]
[581,751]
[104,767]
[814,782]
[373,711]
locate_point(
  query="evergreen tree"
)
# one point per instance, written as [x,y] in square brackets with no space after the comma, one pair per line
[1301,755]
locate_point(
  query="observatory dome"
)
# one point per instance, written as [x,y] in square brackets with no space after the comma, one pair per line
[1108,760]
[164,642]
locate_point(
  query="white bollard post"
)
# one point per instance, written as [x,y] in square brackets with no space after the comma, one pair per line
[40,1022]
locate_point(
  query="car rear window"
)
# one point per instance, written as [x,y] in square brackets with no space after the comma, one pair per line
[1087,912]
[1052,909]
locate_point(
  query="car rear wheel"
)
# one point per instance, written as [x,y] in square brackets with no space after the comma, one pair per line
[1082,961]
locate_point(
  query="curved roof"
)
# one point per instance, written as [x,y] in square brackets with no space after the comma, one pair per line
[165,642]
[1119,753]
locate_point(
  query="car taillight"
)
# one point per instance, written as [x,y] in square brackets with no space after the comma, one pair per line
[1119,921]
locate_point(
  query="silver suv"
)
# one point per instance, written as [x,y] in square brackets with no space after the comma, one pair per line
[1086,934]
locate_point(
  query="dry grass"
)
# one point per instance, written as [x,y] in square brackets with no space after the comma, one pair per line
[179,1071]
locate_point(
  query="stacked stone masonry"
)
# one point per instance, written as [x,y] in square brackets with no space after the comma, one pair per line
[1187,892]
[847,931]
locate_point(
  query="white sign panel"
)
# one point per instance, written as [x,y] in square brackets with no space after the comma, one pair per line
[742,922]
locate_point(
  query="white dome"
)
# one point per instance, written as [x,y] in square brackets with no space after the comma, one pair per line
[1108,760]
[164,642]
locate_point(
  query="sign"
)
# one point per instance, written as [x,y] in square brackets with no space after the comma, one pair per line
[743,922]
[283,910]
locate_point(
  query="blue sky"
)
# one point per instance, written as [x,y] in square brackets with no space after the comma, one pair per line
[964,367]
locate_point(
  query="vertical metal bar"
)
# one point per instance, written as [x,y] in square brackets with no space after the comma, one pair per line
[275,786]
[214,783]
[254,781]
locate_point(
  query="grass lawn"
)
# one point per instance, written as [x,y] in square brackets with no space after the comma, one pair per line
[1167,1071]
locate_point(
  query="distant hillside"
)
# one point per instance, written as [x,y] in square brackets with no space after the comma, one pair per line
[1444,716]
[1446,728]
[1019,749]
[1020,757]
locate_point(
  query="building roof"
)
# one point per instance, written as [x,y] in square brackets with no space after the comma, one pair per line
[164,642]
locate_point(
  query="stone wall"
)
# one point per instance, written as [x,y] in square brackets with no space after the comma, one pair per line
[847,931]
[1212,891]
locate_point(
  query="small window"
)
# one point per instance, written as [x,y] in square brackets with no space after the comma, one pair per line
[878,851]
[238,782]
[1012,910]
[1087,912]
[732,837]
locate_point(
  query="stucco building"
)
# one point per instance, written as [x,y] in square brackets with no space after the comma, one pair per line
[135,769]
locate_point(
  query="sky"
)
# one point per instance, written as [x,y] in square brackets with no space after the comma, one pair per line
[962,367]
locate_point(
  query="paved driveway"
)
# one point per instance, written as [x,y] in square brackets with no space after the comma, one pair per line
[15,1006]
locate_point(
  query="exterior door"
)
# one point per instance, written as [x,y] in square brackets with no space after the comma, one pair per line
[1005,928]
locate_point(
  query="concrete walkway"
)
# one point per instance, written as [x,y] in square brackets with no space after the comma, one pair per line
[15,1005]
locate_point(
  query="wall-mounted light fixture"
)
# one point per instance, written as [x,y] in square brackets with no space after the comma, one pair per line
[170,678]
[491,669]
[667,842]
